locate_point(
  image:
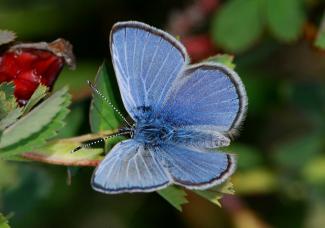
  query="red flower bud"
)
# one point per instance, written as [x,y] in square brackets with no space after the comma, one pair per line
[29,65]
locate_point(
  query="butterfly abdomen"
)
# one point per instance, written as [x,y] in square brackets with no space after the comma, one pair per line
[200,139]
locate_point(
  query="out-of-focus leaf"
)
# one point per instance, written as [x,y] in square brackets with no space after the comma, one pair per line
[175,196]
[38,94]
[285,18]
[7,99]
[225,59]
[77,79]
[296,153]
[4,221]
[216,193]
[238,24]
[47,125]
[248,157]
[11,18]
[320,39]
[315,216]
[314,170]
[8,175]
[255,181]
[102,115]
[260,89]
[6,37]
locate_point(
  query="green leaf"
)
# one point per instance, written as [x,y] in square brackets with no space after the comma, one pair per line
[314,171]
[249,157]
[238,24]
[175,196]
[38,95]
[34,121]
[102,115]
[4,221]
[225,59]
[297,152]
[7,99]
[8,175]
[285,19]
[6,37]
[215,194]
[58,152]
[255,181]
[10,118]
[47,125]
[320,39]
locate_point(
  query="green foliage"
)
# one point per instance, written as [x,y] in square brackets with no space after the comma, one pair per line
[37,126]
[214,194]
[31,16]
[295,153]
[225,59]
[6,37]
[239,23]
[59,152]
[102,115]
[4,221]
[38,95]
[9,110]
[7,99]
[285,18]
[320,40]
[255,181]
[248,157]
[175,196]
[8,175]
[314,170]
[10,118]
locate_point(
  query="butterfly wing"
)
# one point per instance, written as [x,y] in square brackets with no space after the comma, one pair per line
[209,96]
[146,62]
[129,167]
[196,169]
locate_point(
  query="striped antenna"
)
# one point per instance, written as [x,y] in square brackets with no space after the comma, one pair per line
[108,102]
[88,145]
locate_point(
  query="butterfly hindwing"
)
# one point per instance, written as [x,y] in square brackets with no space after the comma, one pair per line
[129,167]
[146,62]
[195,169]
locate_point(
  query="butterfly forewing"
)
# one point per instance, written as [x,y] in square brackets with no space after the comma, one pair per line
[146,61]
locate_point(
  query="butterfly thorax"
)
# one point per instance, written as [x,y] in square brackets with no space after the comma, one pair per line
[153,131]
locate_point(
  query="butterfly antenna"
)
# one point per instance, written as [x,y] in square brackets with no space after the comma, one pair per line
[109,103]
[88,145]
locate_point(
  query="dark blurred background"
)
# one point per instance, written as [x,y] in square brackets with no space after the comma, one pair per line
[278,49]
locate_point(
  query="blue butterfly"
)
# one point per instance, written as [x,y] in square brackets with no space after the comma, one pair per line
[181,112]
